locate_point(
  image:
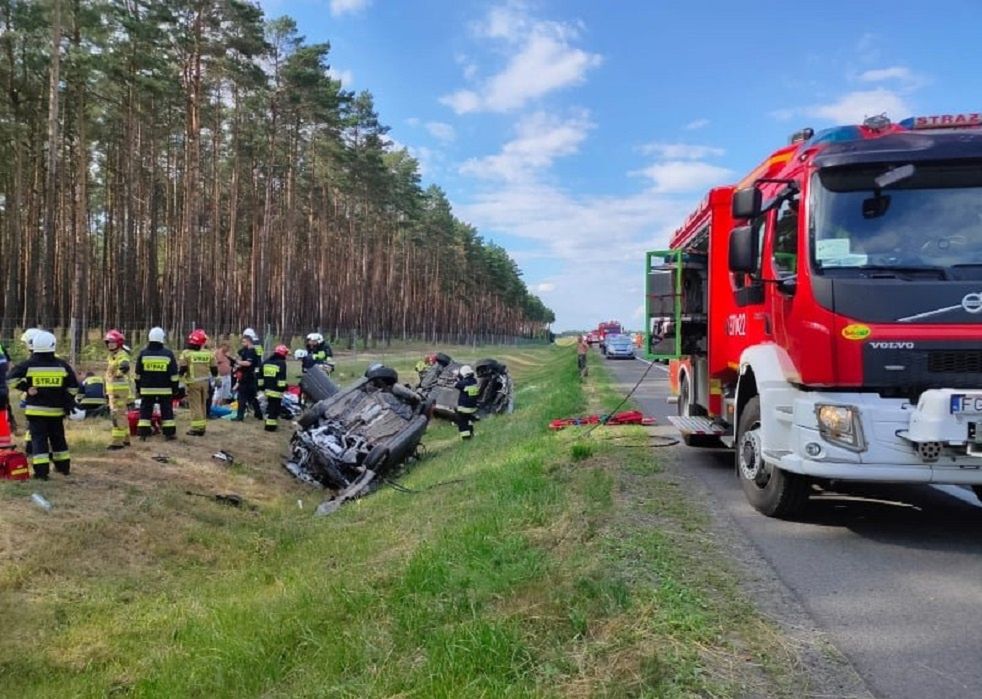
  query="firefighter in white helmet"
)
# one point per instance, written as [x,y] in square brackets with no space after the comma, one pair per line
[51,385]
[466,401]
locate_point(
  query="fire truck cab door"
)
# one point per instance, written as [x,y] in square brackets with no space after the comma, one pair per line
[748,322]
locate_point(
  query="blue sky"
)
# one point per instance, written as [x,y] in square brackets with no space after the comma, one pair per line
[580,133]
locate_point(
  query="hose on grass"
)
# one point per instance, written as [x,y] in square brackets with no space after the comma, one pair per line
[603,420]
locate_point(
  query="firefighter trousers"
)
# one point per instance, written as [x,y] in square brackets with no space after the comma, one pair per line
[273,404]
[167,424]
[198,403]
[120,420]
[247,399]
[48,445]
[465,423]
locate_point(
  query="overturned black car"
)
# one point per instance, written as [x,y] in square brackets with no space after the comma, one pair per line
[349,440]
[495,396]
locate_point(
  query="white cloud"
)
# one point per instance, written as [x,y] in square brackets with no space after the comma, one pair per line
[675,176]
[696,124]
[462,101]
[540,139]
[544,288]
[441,131]
[880,74]
[681,151]
[541,59]
[343,7]
[853,107]
[413,121]
[345,77]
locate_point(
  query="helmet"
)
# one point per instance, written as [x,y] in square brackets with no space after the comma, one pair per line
[197,337]
[76,414]
[28,336]
[156,334]
[300,354]
[281,350]
[315,337]
[251,334]
[115,336]
[430,359]
[465,371]
[43,342]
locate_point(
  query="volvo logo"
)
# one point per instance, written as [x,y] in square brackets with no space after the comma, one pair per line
[972,303]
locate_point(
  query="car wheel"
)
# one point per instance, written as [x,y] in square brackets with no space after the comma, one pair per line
[770,490]
[317,386]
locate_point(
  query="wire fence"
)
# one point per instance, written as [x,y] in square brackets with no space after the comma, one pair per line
[76,342]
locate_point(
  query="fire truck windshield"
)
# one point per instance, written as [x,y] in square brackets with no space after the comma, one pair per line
[926,220]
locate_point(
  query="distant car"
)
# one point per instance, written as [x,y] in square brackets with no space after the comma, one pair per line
[618,347]
[592,337]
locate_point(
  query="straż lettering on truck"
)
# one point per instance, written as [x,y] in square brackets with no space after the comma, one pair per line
[821,315]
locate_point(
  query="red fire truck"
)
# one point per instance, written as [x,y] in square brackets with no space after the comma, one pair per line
[822,316]
[608,327]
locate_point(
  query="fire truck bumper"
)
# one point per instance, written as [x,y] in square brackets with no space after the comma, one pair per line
[885,439]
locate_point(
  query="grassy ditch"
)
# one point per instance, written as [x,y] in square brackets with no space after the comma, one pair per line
[524,563]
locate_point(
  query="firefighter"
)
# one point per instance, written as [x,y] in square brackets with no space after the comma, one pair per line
[273,384]
[245,376]
[466,401]
[318,351]
[252,335]
[50,384]
[118,387]
[5,400]
[157,384]
[198,366]
[92,397]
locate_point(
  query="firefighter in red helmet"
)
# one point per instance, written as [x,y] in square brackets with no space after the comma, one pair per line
[118,387]
[198,367]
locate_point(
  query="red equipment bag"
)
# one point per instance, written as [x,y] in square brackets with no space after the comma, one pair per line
[13,466]
[628,417]
[133,417]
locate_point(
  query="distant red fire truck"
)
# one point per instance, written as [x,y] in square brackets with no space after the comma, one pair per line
[608,327]
[824,315]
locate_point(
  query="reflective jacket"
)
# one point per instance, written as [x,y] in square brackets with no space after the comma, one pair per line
[156,371]
[273,379]
[118,375]
[317,354]
[54,382]
[198,364]
[467,401]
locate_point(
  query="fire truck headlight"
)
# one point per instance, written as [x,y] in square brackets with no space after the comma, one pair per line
[839,424]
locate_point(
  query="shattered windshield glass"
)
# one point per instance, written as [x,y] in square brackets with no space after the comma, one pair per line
[927,221]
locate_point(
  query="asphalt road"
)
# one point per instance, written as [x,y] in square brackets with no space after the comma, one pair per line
[893,574]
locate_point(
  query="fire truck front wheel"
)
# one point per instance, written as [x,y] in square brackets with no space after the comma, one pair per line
[770,490]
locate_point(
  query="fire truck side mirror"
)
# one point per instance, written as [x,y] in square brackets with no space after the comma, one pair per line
[747,203]
[743,250]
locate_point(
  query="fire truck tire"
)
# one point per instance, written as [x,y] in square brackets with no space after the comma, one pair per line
[770,490]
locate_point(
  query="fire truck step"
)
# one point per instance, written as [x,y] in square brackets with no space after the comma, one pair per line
[696,425]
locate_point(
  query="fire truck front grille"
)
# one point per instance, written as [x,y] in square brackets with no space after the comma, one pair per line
[911,367]
[954,361]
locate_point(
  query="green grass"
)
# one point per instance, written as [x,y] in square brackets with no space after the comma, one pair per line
[554,567]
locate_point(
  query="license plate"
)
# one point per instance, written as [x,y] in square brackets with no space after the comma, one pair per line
[966,404]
